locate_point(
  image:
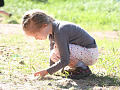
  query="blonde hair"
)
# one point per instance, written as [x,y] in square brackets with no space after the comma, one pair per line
[36,18]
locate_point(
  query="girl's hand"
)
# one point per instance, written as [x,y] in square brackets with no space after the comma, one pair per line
[41,73]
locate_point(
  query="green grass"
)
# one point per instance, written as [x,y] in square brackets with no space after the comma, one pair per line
[109,57]
[34,55]
[21,55]
[24,56]
[90,14]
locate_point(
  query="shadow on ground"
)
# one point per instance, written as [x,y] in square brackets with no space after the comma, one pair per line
[91,82]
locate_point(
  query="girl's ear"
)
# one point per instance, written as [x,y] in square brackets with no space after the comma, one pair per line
[44,25]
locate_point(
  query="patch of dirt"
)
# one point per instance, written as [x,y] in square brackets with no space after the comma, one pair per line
[17,28]
[29,82]
[110,35]
[1,19]
[10,29]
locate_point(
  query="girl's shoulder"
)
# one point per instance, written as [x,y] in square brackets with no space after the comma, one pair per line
[65,24]
[65,27]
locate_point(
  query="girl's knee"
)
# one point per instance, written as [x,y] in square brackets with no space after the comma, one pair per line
[54,57]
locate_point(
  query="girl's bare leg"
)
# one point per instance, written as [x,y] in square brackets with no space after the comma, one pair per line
[72,63]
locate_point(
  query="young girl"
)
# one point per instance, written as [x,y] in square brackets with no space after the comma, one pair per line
[70,45]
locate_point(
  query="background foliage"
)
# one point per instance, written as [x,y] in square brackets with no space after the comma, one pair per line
[90,14]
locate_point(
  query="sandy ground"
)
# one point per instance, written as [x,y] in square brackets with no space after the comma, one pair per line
[28,82]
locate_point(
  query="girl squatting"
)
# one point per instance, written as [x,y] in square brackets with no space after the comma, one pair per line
[70,45]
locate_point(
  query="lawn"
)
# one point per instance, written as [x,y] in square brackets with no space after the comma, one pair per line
[90,14]
[21,56]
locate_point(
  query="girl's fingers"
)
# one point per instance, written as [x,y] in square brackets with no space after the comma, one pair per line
[37,74]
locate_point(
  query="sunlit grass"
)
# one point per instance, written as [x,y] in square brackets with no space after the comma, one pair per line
[109,57]
[24,55]
[90,14]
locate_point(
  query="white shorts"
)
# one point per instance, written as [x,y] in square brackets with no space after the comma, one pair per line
[88,55]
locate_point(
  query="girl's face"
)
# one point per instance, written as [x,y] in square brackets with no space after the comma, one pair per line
[41,34]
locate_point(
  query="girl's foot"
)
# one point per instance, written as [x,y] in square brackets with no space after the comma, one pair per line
[77,73]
